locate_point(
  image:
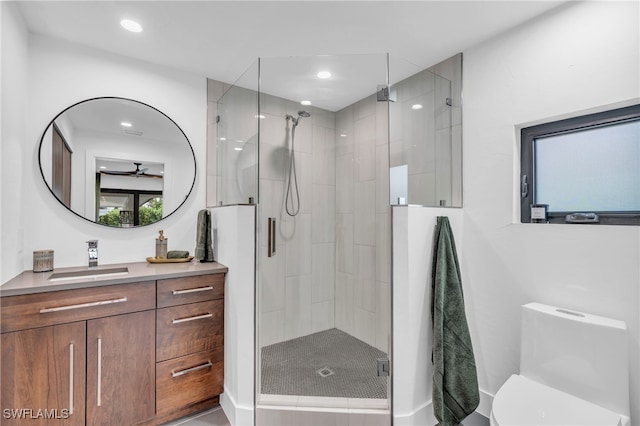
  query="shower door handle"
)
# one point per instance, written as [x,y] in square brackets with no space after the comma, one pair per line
[271,249]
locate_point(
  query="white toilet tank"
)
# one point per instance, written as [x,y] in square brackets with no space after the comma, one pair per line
[581,354]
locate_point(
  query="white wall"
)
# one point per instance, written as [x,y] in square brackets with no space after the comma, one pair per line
[13,90]
[412,369]
[60,75]
[234,246]
[581,56]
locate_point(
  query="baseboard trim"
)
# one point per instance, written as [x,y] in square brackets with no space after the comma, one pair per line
[422,415]
[486,402]
[237,415]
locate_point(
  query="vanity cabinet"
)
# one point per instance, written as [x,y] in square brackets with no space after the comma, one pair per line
[121,369]
[189,344]
[96,371]
[139,353]
[44,368]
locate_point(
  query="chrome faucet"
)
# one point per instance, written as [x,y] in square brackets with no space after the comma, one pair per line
[93,252]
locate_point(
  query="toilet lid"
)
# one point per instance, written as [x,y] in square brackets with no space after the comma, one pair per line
[521,401]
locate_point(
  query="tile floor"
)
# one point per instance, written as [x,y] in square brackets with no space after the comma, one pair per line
[216,417]
[475,419]
[213,417]
[329,363]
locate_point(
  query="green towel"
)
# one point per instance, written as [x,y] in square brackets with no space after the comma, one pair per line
[455,381]
[177,254]
[204,246]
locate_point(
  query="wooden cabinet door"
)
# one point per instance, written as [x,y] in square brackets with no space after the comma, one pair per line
[43,376]
[121,369]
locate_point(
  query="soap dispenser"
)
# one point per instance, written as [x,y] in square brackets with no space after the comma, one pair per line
[161,246]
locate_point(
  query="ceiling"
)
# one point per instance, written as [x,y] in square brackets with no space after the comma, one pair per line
[222,39]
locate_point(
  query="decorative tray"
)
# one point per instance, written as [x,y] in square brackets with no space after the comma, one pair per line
[159,260]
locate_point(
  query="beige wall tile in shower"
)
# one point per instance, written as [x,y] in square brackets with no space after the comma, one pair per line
[344,131]
[344,184]
[324,156]
[295,234]
[303,135]
[271,328]
[364,108]
[272,281]
[383,247]
[322,316]
[344,302]
[365,277]
[323,272]
[365,213]
[344,242]
[322,118]
[382,179]
[297,306]
[383,314]
[364,326]
[323,214]
[365,149]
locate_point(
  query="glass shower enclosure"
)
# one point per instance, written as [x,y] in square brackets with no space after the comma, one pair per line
[325,145]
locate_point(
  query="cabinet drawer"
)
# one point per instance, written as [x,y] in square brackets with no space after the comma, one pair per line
[185,329]
[178,291]
[187,380]
[58,307]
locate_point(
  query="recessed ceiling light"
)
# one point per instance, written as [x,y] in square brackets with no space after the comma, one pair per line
[223,138]
[130,25]
[125,124]
[103,167]
[305,103]
[261,116]
[416,106]
[324,74]
[238,149]
[343,135]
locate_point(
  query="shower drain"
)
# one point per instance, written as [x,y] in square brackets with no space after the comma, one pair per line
[325,372]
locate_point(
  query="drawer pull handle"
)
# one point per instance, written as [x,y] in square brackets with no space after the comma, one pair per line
[192,369]
[99,385]
[197,317]
[83,305]
[70,378]
[191,290]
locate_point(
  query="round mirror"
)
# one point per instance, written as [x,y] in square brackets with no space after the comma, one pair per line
[117,162]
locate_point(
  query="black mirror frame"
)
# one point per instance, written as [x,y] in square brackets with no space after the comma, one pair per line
[52,122]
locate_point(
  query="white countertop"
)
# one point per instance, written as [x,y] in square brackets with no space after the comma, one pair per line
[38,282]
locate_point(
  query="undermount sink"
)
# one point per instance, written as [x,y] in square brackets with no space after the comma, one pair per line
[95,273]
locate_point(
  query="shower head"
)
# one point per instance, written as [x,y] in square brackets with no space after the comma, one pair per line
[300,115]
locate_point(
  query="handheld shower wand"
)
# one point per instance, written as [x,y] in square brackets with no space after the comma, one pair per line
[292,200]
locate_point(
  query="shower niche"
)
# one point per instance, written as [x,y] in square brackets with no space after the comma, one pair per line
[324,146]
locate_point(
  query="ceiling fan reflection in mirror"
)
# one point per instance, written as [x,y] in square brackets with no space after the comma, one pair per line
[144,172]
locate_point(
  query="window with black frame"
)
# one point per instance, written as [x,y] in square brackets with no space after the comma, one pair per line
[125,208]
[582,170]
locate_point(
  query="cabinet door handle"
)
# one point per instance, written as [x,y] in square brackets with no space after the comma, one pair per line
[70,378]
[83,305]
[196,317]
[99,371]
[191,369]
[191,290]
